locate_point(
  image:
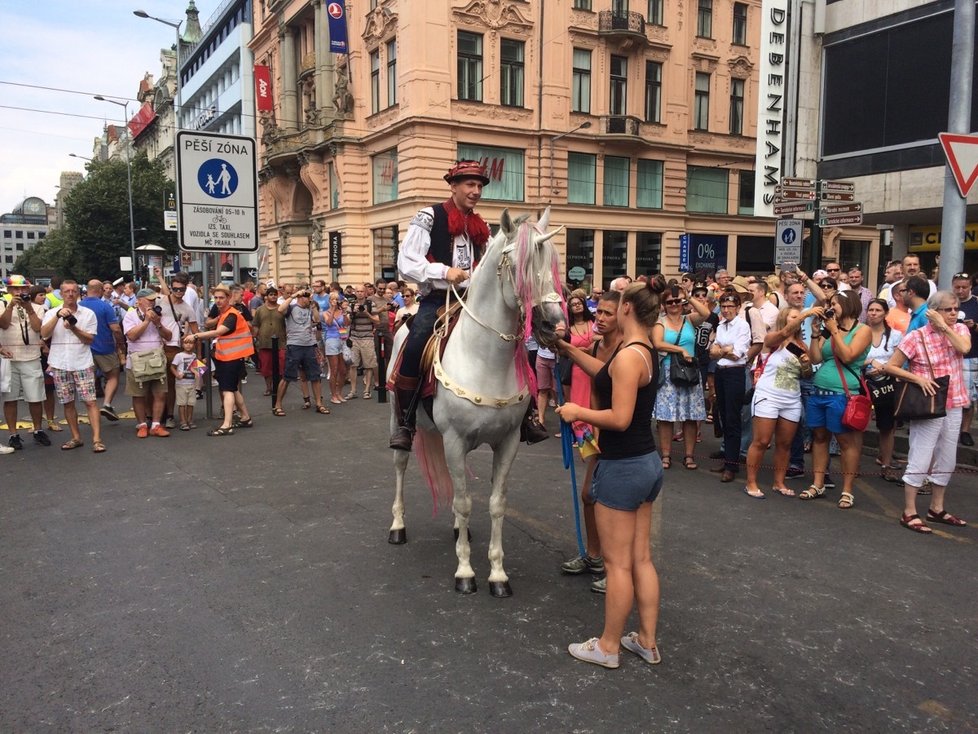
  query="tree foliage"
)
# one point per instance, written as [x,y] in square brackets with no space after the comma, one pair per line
[96,230]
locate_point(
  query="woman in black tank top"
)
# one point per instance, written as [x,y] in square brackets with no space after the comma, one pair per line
[627,480]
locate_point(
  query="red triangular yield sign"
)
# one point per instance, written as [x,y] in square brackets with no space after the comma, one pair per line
[961,152]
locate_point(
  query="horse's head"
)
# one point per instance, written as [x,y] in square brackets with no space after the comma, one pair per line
[536,268]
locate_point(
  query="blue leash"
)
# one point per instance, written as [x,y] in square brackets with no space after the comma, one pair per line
[567,447]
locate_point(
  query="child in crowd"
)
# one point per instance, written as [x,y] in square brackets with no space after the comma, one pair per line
[187,381]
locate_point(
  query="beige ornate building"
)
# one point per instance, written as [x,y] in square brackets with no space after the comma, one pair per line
[635,121]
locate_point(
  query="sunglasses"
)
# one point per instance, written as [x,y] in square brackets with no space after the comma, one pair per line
[826,286]
[832,270]
[961,276]
[674,302]
[949,309]
[179,290]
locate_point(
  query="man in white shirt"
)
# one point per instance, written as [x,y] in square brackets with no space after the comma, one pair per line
[730,349]
[72,329]
[911,267]
[20,338]
[759,302]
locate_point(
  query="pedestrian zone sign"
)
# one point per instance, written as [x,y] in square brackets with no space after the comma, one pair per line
[217,192]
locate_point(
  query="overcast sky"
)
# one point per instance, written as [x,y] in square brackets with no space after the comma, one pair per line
[88,48]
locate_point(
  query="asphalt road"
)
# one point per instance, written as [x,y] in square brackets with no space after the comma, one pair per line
[246,584]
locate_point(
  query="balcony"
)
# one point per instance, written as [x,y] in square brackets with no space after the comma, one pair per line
[628,28]
[620,125]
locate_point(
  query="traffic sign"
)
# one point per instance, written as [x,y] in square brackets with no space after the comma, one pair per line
[797,183]
[797,194]
[961,152]
[793,207]
[217,192]
[835,196]
[840,219]
[842,187]
[829,210]
[787,242]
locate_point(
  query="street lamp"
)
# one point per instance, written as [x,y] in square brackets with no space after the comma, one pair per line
[75,155]
[583,126]
[132,231]
[175,25]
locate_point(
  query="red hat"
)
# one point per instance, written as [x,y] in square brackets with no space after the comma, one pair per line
[467,169]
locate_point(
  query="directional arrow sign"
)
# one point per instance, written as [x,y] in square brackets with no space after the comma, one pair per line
[833,196]
[829,210]
[793,207]
[798,183]
[842,187]
[961,152]
[838,219]
[797,194]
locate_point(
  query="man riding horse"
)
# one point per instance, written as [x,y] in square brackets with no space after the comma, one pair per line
[442,245]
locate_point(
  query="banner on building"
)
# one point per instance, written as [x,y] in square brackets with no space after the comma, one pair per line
[337,28]
[263,88]
[141,120]
[773,79]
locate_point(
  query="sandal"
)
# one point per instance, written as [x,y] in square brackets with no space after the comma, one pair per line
[350,396]
[250,423]
[306,404]
[913,522]
[184,426]
[945,517]
[267,393]
[689,463]
[72,444]
[279,412]
[784,491]
[222,431]
[758,495]
[812,493]
[54,426]
[666,462]
[98,447]
[366,395]
[322,409]
[846,501]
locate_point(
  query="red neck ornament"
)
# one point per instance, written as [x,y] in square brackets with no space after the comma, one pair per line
[470,224]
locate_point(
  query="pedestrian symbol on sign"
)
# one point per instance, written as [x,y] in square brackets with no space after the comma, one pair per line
[788,236]
[217,178]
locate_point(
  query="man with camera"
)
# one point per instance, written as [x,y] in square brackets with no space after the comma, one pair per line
[180,319]
[302,320]
[20,339]
[145,332]
[363,321]
[71,329]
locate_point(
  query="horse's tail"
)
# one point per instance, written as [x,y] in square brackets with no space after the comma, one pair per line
[429,447]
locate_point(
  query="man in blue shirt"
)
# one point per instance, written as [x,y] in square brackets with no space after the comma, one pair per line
[105,345]
[915,298]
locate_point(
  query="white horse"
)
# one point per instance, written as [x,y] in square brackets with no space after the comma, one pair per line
[483,392]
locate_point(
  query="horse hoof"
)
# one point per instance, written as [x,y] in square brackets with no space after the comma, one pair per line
[465,586]
[467,532]
[397,537]
[500,589]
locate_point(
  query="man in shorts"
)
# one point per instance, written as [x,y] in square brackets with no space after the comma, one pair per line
[301,337]
[20,338]
[363,321]
[106,345]
[72,329]
[144,330]
[181,319]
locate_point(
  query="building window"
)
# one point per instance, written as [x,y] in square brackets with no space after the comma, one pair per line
[656,14]
[582,4]
[614,254]
[511,73]
[8,233]
[580,252]
[505,169]
[740,24]
[648,252]
[706,190]
[653,91]
[581,90]
[736,106]
[30,235]
[469,66]
[616,181]
[20,234]
[581,178]
[619,85]
[385,251]
[745,195]
[648,186]
[704,19]
[374,82]
[701,103]
[392,73]
[619,8]
[385,176]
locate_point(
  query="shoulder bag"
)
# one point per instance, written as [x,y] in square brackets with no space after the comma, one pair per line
[683,372]
[148,366]
[911,402]
[858,406]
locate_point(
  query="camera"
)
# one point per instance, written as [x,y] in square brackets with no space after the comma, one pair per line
[25,297]
[829,313]
[70,320]
[158,310]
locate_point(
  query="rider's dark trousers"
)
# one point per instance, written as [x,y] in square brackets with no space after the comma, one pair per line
[422,325]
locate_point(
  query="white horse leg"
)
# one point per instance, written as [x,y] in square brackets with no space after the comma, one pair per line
[455,452]
[502,460]
[398,535]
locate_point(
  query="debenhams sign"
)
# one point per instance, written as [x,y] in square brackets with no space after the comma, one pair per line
[770,104]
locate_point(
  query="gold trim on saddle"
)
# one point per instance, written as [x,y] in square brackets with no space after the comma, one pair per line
[463,393]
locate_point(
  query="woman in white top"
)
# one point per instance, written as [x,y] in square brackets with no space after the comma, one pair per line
[409,308]
[882,389]
[776,406]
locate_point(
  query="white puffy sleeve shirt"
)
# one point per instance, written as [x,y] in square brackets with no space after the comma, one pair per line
[412,257]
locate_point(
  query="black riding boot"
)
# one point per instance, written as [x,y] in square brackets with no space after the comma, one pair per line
[407,402]
[532,430]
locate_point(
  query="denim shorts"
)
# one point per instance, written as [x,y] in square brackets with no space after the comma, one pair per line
[625,484]
[334,346]
[824,410]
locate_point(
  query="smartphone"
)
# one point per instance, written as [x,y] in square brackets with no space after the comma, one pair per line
[788,267]
[795,349]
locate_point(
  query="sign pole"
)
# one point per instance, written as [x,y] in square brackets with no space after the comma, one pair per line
[815,242]
[955,215]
